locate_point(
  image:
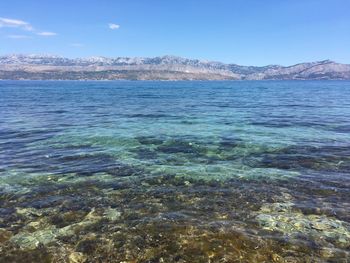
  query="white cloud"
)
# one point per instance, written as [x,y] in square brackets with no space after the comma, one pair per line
[20,24]
[113,26]
[18,36]
[46,34]
[8,22]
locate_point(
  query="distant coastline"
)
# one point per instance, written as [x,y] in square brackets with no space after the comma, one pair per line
[166,68]
[170,80]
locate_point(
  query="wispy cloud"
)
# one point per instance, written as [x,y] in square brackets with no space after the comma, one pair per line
[77,45]
[18,36]
[113,26]
[8,22]
[23,25]
[46,34]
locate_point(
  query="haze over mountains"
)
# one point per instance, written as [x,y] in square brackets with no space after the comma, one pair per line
[47,67]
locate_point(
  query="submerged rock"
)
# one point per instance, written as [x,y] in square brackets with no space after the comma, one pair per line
[123,171]
[4,235]
[319,228]
[179,146]
[149,140]
[29,212]
[88,245]
[111,214]
[31,240]
[299,157]
[77,257]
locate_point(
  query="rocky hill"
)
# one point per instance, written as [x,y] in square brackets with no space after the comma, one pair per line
[39,67]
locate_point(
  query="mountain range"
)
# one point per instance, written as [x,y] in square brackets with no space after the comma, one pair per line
[47,67]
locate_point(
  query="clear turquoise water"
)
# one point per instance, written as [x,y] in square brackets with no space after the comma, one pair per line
[175,171]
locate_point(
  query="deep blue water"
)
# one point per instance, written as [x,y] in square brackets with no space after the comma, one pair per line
[176,171]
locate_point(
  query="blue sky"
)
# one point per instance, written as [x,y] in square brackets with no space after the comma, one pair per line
[248,32]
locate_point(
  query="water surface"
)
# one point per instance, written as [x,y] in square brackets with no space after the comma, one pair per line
[175,171]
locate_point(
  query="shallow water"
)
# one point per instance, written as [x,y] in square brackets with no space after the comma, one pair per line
[175,171]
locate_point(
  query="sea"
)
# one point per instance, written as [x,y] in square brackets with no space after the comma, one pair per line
[163,171]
